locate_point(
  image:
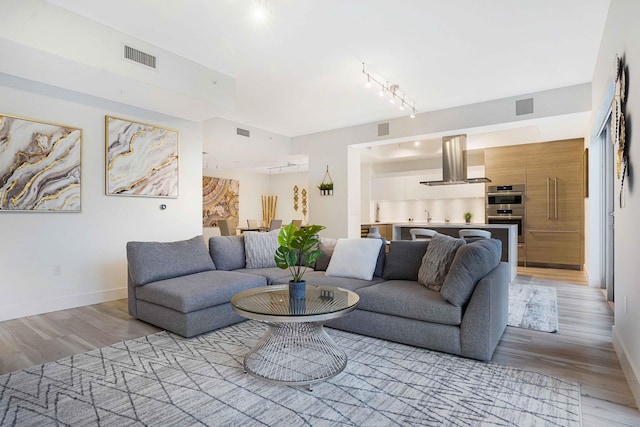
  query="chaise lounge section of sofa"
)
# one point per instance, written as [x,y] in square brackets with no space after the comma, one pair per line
[176,286]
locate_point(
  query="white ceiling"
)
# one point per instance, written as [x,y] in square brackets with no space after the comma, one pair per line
[300,70]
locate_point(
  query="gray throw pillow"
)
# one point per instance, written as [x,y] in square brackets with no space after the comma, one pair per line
[437,260]
[404,259]
[472,262]
[152,261]
[326,246]
[260,248]
[227,252]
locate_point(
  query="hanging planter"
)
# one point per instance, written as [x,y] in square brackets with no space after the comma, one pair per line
[326,187]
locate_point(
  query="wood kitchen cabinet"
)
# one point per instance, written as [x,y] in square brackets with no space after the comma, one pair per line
[554,218]
[505,165]
[554,203]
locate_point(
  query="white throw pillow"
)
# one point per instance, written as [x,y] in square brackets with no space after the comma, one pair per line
[354,258]
[260,248]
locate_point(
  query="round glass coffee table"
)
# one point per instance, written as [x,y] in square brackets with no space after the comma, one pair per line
[295,350]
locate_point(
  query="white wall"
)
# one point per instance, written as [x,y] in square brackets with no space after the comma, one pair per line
[622,37]
[49,44]
[329,149]
[281,185]
[89,246]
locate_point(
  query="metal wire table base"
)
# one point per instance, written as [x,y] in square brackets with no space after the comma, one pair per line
[295,354]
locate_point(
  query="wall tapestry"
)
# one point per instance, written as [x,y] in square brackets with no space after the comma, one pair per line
[39,166]
[618,124]
[142,159]
[220,200]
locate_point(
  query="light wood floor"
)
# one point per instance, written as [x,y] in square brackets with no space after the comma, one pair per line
[580,351]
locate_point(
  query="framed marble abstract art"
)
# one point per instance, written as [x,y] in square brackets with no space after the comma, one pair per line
[39,166]
[141,159]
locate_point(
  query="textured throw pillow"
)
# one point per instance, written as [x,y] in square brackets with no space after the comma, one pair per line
[437,260]
[472,262]
[404,259]
[152,261]
[326,246]
[354,258]
[260,248]
[227,252]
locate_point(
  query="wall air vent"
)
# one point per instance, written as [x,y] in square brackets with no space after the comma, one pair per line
[243,132]
[139,57]
[524,106]
[383,129]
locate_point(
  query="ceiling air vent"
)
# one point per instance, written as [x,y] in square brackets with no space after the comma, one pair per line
[524,106]
[139,57]
[242,132]
[383,129]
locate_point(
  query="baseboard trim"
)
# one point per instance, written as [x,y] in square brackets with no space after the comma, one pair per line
[627,368]
[33,308]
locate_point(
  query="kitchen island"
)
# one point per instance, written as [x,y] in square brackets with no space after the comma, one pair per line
[506,233]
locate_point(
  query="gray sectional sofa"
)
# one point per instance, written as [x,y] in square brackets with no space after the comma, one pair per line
[182,287]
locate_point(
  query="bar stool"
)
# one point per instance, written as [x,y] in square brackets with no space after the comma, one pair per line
[472,232]
[422,232]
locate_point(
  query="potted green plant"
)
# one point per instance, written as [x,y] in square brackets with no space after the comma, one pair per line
[467,217]
[298,250]
[326,189]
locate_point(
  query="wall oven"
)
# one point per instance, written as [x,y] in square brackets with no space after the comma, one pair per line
[508,216]
[505,196]
[505,204]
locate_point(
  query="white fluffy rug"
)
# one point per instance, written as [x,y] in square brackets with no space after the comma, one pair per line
[164,379]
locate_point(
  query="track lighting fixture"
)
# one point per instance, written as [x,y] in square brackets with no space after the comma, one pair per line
[289,167]
[392,89]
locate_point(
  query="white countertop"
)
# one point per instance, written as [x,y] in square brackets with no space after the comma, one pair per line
[447,224]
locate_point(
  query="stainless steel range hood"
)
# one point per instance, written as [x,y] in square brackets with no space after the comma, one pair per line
[454,162]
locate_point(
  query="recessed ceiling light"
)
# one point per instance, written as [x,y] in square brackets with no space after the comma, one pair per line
[261,10]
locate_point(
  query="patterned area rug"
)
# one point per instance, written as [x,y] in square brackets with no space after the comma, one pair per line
[163,379]
[533,307]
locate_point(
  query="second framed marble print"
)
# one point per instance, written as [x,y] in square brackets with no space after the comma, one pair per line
[141,159]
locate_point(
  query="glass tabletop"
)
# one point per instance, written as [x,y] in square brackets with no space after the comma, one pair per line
[275,301]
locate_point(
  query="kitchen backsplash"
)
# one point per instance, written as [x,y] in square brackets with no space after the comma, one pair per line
[438,209]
